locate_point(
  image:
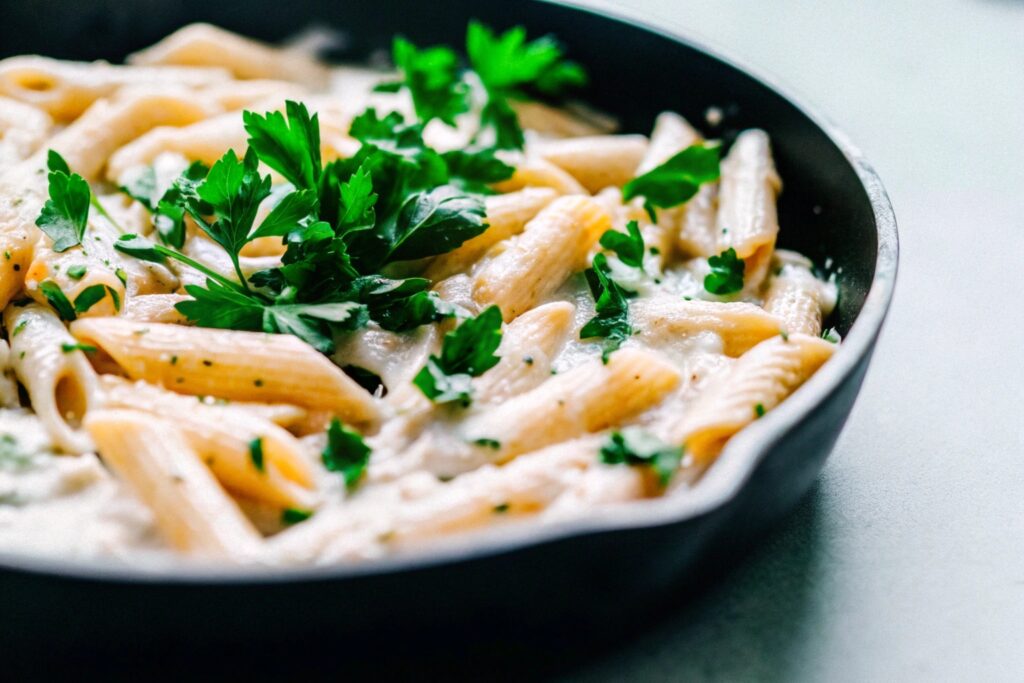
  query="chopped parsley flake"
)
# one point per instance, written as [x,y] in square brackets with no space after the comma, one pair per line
[726,276]
[635,446]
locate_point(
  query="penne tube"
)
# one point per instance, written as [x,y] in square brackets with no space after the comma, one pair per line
[531,171]
[203,45]
[521,272]
[507,215]
[57,376]
[596,162]
[193,513]
[758,381]
[528,349]
[589,398]
[66,89]
[8,380]
[222,436]
[698,232]
[747,219]
[554,122]
[23,129]
[155,308]
[245,366]
[671,135]
[799,299]
[741,326]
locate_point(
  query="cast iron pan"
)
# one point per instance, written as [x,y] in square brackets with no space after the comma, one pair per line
[592,576]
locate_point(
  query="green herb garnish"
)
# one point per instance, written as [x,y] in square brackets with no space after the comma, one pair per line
[345,452]
[466,352]
[629,247]
[726,276]
[611,321]
[66,213]
[634,446]
[677,180]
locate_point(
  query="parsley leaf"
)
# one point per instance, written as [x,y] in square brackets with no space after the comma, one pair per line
[634,446]
[629,248]
[677,180]
[507,62]
[77,271]
[233,190]
[92,295]
[85,348]
[435,222]
[256,454]
[466,352]
[612,309]
[167,206]
[473,171]
[292,147]
[432,77]
[345,452]
[726,276]
[291,516]
[293,211]
[221,307]
[65,214]
[58,300]
[509,66]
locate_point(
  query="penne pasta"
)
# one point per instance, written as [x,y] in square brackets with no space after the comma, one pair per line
[521,272]
[739,325]
[222,436]
[66,89]
[203,45]
[507,215]
[759,381]
[192,511]
[55,372]
[596,162]
[228,364]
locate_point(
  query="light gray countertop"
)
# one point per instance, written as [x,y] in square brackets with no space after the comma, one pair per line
[907,560]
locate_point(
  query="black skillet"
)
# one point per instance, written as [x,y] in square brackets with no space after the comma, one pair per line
[594,572]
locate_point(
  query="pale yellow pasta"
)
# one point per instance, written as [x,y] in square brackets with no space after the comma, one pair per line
[235,95]
[206,141]
[531,171]
[206,45]
[747,219]
[192,511]
[740,325]
[698,233]
[66,89]
[596,162]
[222,435]
[520,272]
[546,120]
[528,348]
[671,135]
[507,215]
[23,129]
[796,297]
[758,381]
[590,397]
[56,374]
[228,364]
[8,384]
[155,308]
